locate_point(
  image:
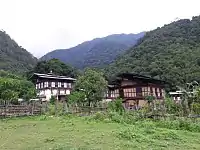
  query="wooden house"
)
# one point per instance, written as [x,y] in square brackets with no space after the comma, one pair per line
[48,85]
[134,89]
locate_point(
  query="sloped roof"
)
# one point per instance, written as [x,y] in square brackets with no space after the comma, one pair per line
[51,76]
[138,76]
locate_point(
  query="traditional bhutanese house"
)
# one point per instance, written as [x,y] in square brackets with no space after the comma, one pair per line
[134,89]
[176,96]
[48,85]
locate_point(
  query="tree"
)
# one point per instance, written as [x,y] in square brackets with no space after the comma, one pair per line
[13,57]
[12,89]
[170,53]
[54,65]
[93,85]
[77,97]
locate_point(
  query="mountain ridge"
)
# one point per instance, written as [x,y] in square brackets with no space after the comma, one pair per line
[95,53]
[13,57]
[170,53]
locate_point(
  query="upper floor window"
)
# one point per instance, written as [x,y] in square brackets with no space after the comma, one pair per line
[154,92]
[69,85]
[62,84]
[45,84]
[113,93]
[65,85]
[130,92]
[41,85]
[158,92]
[146,91]
[162,92]
[59,84]
[36,86]
[52,84]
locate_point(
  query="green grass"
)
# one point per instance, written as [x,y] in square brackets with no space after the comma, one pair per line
[63,133]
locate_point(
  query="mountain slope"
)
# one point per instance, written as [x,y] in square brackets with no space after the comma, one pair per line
[171,53]
[95,53]
[12,56]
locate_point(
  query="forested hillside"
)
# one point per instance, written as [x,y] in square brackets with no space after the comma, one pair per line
[96,53]
[13,57]
[171,53]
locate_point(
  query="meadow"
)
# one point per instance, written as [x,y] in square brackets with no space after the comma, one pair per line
[72,132]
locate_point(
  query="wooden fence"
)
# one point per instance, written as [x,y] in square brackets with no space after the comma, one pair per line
[19,110]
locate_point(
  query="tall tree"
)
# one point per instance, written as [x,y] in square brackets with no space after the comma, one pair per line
[56,66]
[93,84]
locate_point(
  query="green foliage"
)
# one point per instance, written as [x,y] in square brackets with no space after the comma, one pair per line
[170,53]
[57,67]
[52,100]
[13,57]
[79,133]
[196,108]
[93,84]
[116,106]
[134,118]
[172,107]
[12,89]
[55,109]
[6,74]
[77,97]
[150,98]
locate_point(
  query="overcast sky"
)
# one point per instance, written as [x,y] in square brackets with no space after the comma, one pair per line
[41,26]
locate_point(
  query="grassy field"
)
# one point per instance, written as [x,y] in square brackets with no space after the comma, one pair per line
[62,133]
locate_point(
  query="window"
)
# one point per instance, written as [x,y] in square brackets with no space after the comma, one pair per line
[139,91]
[45,84]
[69,85]
[154,92]
[62,84]
[41,85]
[65,85]
[145,91]
[36,86]
[59,84]
[52,84]
[158,92]
[114,93]
[162,93]
[130,92]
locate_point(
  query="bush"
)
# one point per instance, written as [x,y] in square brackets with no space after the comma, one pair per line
[99,116]
[135,119]
[116,106]
[196,108]
[52,100]
[53,111]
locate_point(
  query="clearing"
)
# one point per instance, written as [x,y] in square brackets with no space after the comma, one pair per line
[69,132]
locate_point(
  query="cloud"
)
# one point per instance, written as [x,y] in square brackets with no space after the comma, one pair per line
[44,25]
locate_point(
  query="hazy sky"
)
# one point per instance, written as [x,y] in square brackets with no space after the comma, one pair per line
[44,25]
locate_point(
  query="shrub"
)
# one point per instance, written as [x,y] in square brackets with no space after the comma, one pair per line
[196,108]
[52,100]
[116,106]
[53,110]
[99,116]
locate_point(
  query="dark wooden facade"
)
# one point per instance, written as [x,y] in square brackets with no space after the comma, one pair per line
[134,88]
[48,85]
